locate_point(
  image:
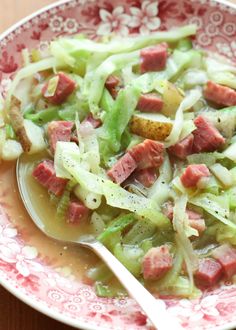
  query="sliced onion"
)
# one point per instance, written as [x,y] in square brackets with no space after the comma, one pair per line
[222,174]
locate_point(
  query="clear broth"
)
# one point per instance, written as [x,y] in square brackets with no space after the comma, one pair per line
[50,251]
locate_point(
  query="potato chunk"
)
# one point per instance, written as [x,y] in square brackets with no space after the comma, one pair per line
[171,98]
[151,126]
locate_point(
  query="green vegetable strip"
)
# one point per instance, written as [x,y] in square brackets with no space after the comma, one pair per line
[118,118]
[44,116]
[72,48]
[10,133]
[107,101]
[108,291]
[111,64]
[114,194]
[64,201]
[116,225]
[29,71]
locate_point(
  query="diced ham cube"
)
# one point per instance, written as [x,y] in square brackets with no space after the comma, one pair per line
[146,176]
[77,212]
[219,94]
[112,81]
[183,148]
[122,169]
[193,174]
[154,58]
[111,84]
[209,272]
[94,121]
[150,103]
[65,87]
[59,131]
[45,174]
[57,185]
[157,262]
[195,219]
[206,136]
[226,255]
[147,154]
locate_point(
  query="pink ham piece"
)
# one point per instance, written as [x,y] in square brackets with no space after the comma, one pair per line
[183,148]
[195,219]
[157,262]
[219,94]
[77,212]
[206,136]
[154,58]
[111,84]
[226,255]
[122,169]
[45,174]
[59,131]
[65,87]
[209,272]
[147,154]
[193,174]
[146,176]
[150,103]
[94,121]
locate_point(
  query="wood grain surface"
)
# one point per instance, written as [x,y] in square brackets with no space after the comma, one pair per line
[15,315]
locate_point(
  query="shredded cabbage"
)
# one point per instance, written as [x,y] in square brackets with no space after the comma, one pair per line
[221,73]
[71,50]
[217,206]
[160,190]
[29,71]
[114,194]
[116,121]
[179,223]
[186,104]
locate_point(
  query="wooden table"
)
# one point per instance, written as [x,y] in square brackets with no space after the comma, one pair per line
[14,315]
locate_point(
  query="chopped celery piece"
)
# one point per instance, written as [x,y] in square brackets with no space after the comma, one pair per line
[130,256]
[100,273]
[141,230]
[109,290]
[207,158]
[185,44]
[44,116]
[117,225]
[64,201]
[182,288]
[213,186]
[231,193]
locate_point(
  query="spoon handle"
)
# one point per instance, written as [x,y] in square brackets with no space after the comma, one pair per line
[153,308]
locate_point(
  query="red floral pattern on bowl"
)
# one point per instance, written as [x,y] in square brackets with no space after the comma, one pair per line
[27,271]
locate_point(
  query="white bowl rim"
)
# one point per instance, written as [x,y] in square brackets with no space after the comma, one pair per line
[38,306]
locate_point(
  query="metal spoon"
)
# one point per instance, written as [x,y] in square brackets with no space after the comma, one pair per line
[153,308]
